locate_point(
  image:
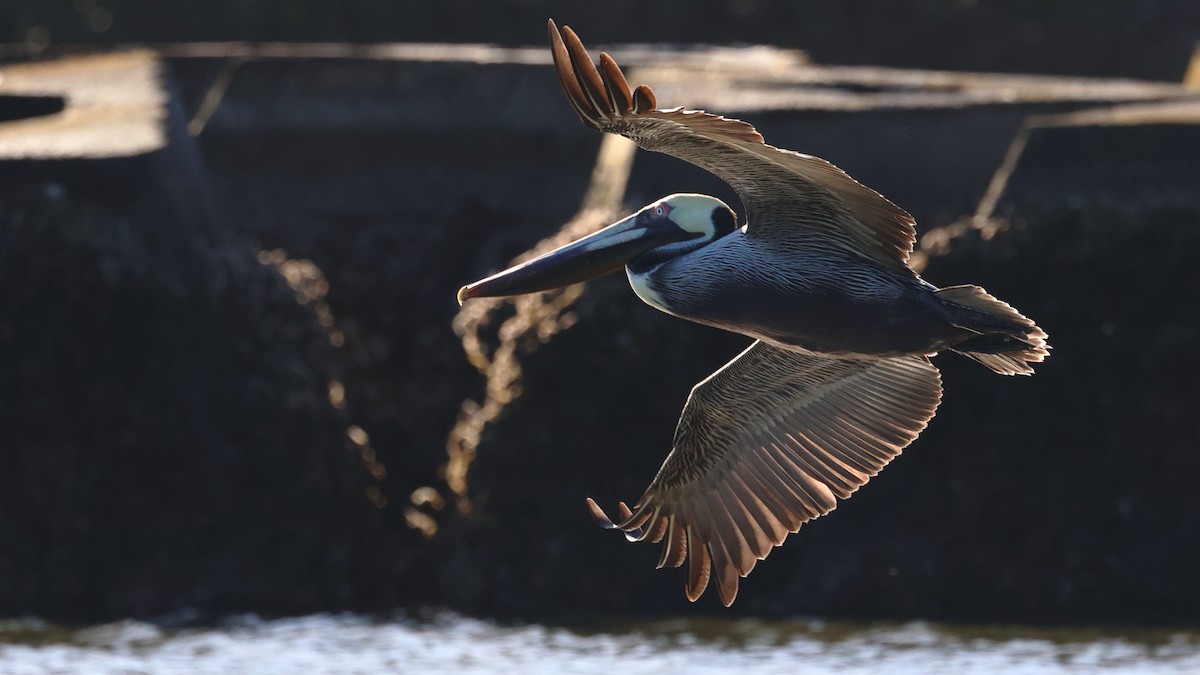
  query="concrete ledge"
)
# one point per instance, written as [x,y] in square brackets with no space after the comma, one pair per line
[113,107]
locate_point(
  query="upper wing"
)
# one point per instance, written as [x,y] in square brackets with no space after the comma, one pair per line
[764,445]
[790,196]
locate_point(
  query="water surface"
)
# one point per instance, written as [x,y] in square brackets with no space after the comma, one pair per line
[451,643]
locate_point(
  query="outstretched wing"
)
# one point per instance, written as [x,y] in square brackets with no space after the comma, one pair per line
[797,199]
[767,443]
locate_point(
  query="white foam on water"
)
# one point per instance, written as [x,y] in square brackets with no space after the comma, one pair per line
[452,643]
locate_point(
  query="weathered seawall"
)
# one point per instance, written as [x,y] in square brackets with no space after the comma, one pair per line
[231,366]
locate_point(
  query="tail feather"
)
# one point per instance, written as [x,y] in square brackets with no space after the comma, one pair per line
[1005,340]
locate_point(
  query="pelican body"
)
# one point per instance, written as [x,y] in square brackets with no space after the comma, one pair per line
[826,303]
[839,378]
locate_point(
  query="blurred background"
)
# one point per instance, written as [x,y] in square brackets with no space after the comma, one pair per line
[234,379]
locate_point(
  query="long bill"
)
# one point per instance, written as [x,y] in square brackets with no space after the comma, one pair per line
[595,255]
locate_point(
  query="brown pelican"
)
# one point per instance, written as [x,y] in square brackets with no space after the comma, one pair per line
[838,380]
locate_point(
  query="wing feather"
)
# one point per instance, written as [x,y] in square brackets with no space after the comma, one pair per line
[699,566]
[774,493]
[768,442]
[587,74]
[790,197]
[615,85]
[656,533]
[675,549]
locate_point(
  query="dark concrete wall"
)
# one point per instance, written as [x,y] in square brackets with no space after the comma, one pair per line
[1150,39]
[170,440]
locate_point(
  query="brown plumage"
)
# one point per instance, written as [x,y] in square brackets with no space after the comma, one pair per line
[839,380]
[767,443]
[772,183]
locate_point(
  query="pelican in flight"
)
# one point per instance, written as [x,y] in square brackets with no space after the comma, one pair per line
[838,380]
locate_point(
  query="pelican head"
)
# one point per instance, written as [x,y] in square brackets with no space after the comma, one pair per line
[668,228]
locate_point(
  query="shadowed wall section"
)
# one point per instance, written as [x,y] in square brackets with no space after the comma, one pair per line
[232,364]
